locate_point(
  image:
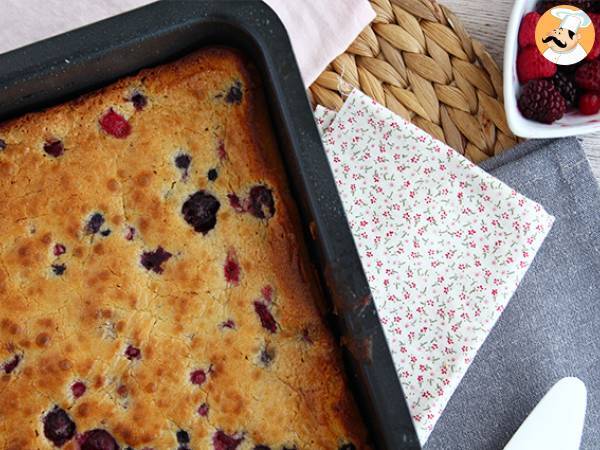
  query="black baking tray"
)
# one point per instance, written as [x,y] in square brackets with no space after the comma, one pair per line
[65,66]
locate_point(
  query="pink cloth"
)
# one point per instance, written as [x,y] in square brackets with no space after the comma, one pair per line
[319,30]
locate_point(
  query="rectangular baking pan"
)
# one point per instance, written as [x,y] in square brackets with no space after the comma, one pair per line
[65,66]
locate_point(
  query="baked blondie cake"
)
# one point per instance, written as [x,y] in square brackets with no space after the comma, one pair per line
[155,291]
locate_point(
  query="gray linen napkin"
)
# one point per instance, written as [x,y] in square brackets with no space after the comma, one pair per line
[551,327]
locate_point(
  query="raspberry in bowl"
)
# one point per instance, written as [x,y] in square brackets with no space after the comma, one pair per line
[543,99]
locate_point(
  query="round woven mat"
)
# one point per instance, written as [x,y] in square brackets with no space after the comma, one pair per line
[417,59]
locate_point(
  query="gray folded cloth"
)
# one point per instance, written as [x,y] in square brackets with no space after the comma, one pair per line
[551,327]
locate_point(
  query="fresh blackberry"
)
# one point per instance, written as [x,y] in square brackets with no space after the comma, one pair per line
[589,6]
[541,101]
[566,86]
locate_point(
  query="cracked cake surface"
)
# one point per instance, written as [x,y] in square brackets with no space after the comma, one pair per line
[155,290]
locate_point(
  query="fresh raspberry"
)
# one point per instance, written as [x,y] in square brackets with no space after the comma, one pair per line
[541,101]
[115,124]
[531,65]
[589,103]
[565,83]
[527,29]
[595,51]
[588,76]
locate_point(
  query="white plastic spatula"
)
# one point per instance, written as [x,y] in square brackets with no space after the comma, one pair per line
[556,423]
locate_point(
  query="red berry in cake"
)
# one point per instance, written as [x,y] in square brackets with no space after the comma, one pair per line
[59,249]
[200,211]
[588,76]
[58,426]
[10,365]
[203,410]
[531,65]
[198,377]
[115,124]
[97,439]
[78,389]
[595,51]
[139,101]
[130,233]
[589,103]
[230,324]
[267,293]
[235,94]
[266,318]
[221,153]
[541,101]
[527,29]
[132,353]
[223,441]
[54,148]
[565,84]
[231,269]
[154,260]
[235,202]
[94,223]
[260,202]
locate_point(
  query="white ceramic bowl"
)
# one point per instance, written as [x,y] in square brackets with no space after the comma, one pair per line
[571,124]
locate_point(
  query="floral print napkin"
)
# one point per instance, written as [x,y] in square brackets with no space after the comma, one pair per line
[443,244]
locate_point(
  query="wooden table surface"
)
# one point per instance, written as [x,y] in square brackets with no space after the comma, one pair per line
[486,20]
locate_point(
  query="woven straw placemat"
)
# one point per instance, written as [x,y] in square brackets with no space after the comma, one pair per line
[417,59]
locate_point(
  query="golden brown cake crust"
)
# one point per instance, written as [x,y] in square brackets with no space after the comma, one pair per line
[162,342]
